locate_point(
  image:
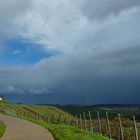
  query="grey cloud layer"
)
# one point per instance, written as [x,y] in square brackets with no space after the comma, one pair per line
[10,10]
[107,77]
[98,9]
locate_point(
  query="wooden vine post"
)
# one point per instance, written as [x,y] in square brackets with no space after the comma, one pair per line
[99,122]
[81,122]
[135,129]
[91,125]
[84,115]
[108,126]
[121,128]
[76,122]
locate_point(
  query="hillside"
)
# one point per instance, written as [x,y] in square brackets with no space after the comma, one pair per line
[46,111]
[126,111]
[54,119]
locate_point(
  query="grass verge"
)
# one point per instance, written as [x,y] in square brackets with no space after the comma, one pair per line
[2,128]
[66,132]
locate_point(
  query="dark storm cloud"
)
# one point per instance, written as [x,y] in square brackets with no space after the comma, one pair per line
[82,78]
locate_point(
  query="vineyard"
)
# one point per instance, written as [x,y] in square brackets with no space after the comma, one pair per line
[118,125]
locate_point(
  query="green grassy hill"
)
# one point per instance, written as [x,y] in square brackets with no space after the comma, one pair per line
[46,110]
[16,109]
[60,132]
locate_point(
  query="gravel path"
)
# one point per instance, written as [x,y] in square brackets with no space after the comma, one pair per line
[18,129]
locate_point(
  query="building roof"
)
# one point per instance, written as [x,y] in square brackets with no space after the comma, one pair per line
[2,97]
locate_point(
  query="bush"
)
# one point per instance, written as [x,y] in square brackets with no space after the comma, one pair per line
[2,128]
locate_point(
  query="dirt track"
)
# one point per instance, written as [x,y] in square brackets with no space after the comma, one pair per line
[18,129]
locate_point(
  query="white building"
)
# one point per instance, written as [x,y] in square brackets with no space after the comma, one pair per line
[1,98]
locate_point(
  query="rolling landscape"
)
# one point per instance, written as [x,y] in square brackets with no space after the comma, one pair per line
[68,122]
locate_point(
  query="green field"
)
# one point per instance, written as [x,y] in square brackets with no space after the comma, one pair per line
[66,132]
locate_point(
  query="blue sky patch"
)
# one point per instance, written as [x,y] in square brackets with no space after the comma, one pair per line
[20,52]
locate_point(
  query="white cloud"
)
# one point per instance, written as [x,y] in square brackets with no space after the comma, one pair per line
[16,52]
[10,10]
[56,24]
[11,88]
[63,25]
[70,25]
[38,91]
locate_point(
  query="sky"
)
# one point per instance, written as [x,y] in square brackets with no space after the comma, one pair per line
[70,52]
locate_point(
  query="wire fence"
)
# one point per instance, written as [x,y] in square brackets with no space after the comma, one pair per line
[117,128]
